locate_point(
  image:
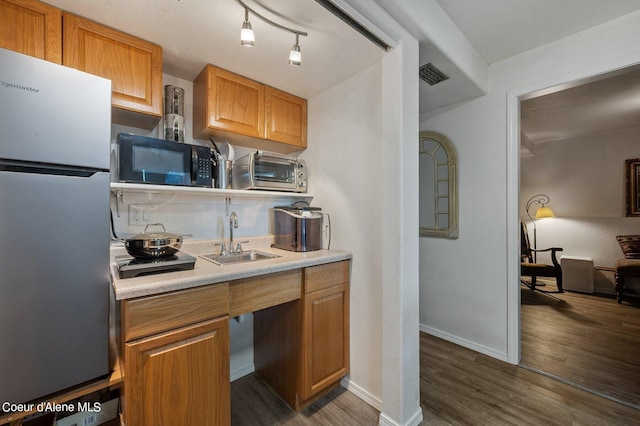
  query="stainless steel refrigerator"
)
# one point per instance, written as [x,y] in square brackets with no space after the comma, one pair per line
[55,131]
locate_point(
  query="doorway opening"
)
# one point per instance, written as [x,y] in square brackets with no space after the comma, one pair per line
[555,154]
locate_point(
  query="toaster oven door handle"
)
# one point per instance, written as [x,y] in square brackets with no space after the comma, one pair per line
[275,158]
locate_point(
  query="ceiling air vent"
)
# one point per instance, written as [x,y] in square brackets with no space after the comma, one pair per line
[431,75]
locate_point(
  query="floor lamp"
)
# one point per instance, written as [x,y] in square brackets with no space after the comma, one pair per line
[543,211]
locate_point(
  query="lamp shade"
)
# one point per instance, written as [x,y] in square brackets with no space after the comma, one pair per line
[543,212]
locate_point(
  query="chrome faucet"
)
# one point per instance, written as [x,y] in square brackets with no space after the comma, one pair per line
[233,223]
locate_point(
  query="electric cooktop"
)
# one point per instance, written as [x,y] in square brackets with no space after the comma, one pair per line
[129,267]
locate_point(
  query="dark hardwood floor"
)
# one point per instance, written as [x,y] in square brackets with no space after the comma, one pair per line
[253,402]
[461,387]
[588,340]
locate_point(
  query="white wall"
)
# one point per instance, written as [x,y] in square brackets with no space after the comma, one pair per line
[463,282]
[343,154]
[362,153]
[585,180]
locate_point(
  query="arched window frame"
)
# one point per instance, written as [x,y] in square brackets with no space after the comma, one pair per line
[451,230]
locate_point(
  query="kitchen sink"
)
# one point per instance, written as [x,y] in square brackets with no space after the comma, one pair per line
[247,256]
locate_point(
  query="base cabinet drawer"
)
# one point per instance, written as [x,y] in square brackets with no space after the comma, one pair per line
[180,377]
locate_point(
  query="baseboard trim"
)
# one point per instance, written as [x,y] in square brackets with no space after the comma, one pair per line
[376,403]
[242,371]
[502,356]
[361,393]
[415,420]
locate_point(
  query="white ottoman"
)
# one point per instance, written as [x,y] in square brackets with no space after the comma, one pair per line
[577,273]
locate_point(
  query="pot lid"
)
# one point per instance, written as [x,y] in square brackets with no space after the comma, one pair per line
[156,235]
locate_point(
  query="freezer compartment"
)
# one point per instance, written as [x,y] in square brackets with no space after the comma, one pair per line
[54,240]
[53,114]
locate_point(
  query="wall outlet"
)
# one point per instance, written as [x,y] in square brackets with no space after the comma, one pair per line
[140,214]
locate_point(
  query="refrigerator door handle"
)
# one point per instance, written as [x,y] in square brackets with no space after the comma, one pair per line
[45,169]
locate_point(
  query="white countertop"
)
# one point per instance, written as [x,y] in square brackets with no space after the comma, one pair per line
[206,272]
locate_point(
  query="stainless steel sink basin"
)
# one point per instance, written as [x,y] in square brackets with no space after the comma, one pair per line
[247,256]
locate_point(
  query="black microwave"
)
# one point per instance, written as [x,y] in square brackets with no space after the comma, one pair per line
[157,161]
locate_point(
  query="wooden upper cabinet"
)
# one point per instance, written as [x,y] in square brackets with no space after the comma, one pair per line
[32,28]
[134,67]
[286,117]
[229,102]
[257,115]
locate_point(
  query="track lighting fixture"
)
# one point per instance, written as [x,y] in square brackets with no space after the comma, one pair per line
[247,37]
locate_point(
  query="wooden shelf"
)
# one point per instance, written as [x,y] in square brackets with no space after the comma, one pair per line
[120,188]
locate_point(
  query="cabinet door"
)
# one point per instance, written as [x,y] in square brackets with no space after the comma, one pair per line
[134,66]
[286,117]
[32,28]
[325,338]
[231,103]
[179,377]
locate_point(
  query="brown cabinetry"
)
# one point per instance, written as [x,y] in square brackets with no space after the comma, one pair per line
[302,348]
[229,102]
[32,28]
[286,118]
[325,334]
[260,116]
[176,345]
[134,67]
[176,357]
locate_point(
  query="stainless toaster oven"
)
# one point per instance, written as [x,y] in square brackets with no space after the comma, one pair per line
[271,171]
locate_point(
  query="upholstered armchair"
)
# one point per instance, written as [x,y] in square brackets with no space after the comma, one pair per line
[630,265]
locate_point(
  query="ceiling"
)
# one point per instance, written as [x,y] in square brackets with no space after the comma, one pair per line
[499,29]
[196,32]
[193,33]
[608,103]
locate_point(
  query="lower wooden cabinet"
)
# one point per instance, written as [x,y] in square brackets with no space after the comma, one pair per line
[301,348]
[176,345]
[176,358]
[325,339]
[179,377]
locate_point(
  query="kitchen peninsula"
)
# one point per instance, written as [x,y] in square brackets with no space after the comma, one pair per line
[174,331]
